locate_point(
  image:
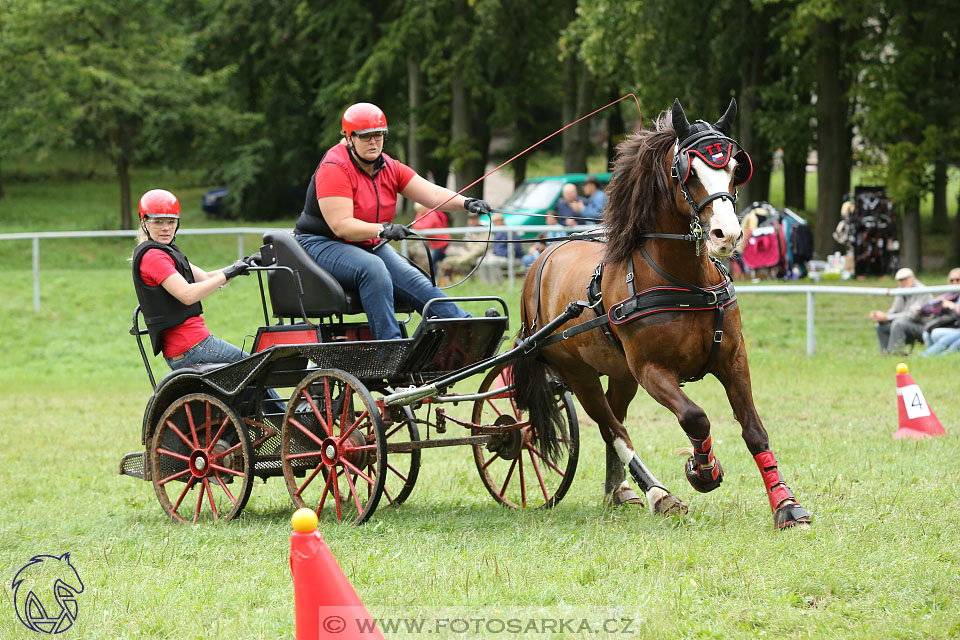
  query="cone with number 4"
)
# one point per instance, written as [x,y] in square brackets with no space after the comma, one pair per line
[917,419]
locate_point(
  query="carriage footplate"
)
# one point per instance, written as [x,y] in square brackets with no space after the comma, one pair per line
[507,443]
[132,465]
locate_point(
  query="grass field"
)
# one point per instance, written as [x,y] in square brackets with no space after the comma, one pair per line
[882,559]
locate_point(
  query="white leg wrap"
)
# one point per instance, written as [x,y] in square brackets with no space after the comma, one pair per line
[654,496]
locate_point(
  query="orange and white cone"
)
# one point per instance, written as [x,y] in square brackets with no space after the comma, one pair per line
[327,606]
[917,419]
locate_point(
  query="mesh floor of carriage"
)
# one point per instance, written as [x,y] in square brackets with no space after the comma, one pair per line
[439,346]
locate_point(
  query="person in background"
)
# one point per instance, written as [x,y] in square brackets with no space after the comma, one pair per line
[594,198]
[497,260]
[433,220]
[899,325]
[941,333]
[569,206]
[348,213]
[461,257]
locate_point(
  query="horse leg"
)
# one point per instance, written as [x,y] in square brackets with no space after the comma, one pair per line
[586,385]
[787,512]
[702,469]
[615,487]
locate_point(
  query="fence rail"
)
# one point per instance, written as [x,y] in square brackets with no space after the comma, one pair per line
[808,290]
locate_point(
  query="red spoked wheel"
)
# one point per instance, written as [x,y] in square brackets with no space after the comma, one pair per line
[201,460]
[511,466]
[333,447]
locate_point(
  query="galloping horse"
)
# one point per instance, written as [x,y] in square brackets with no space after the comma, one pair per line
[672,310]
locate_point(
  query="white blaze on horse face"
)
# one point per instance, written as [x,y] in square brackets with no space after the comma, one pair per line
[724,229]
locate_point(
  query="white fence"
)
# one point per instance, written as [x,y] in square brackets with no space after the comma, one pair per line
[512,264]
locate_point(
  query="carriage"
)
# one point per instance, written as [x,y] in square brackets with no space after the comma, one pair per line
[663,312]
[350,435]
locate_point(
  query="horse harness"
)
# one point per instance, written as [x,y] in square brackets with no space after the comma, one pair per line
[678,296]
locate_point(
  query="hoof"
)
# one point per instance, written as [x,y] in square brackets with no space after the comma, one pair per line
[791,515]
[700,484]
[670,505]
[623,495]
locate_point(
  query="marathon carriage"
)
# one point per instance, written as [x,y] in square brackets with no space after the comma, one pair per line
[361,411]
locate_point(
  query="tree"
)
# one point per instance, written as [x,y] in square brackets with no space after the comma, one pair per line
[906,115]
[111,75]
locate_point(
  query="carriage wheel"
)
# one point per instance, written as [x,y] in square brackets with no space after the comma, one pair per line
[511,466]
[333,447]
[404,467]
[202,461]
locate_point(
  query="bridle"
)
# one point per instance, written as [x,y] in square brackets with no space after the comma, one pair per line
[716,149]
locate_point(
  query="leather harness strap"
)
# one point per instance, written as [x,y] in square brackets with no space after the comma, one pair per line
[681,297]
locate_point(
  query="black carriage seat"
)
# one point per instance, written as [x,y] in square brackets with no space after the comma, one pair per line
[198,369]
[323,296]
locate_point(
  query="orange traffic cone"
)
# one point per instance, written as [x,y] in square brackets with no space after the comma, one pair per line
[327,606]
[917,419]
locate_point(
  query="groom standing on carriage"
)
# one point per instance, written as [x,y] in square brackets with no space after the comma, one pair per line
[666,309]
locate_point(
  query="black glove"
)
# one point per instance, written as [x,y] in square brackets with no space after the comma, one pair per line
[477,206]
[238,268]
[393,231]
[254,260]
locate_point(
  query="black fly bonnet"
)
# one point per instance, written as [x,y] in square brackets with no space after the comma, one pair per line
[712,144]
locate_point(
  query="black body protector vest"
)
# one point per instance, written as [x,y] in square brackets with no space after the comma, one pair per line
[162,311]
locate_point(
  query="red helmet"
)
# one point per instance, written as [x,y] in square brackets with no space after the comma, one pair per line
[363,117]
[159,203]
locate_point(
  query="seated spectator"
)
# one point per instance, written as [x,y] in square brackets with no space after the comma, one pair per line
[497,259]
[900,325]
[539,247]
[941,333]
[569,206]
[433,220]
[461,257]
[594,198]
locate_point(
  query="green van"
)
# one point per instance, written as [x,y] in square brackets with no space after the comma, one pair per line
[540,195]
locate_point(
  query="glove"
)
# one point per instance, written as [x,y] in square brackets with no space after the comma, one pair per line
[392,231]
[254,260]
[238,268]
[477,206]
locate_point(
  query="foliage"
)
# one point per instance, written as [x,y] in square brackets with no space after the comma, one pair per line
[110,75]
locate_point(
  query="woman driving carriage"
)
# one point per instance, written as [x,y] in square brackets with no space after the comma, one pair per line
[349,209]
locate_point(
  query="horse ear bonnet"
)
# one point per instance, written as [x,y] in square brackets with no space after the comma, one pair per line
[712,146]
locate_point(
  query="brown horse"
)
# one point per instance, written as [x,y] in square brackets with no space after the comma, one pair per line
[670,184]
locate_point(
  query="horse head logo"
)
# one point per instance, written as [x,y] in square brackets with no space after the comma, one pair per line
[32,589]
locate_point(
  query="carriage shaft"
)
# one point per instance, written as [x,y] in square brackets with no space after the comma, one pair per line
[407,447]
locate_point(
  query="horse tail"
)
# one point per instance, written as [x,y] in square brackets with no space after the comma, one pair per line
[536,387]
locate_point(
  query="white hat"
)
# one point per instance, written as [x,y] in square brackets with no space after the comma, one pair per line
[903,273]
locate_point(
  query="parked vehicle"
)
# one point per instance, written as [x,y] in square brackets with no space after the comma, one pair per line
[540,195]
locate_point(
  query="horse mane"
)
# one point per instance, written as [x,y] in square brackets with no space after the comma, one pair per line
[639,192]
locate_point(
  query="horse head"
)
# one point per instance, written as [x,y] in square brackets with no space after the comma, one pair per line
[706,173]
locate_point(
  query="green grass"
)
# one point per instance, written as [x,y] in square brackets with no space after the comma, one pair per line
[881,559]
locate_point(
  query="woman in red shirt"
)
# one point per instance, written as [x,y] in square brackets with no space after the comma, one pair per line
[349,209]
[170,289]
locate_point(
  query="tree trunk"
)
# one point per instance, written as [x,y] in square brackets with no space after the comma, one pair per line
[616,130]
[795,184]
[123,175]
[940,222]
[910,251]
[577,83]
[467,159]
[415,100]
[954,251]
[758,189]
[519,167]
[831,137]
[1,184]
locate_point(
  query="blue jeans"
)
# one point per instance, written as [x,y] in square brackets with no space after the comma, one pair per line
[943,340]
[213,350]
[379,277]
